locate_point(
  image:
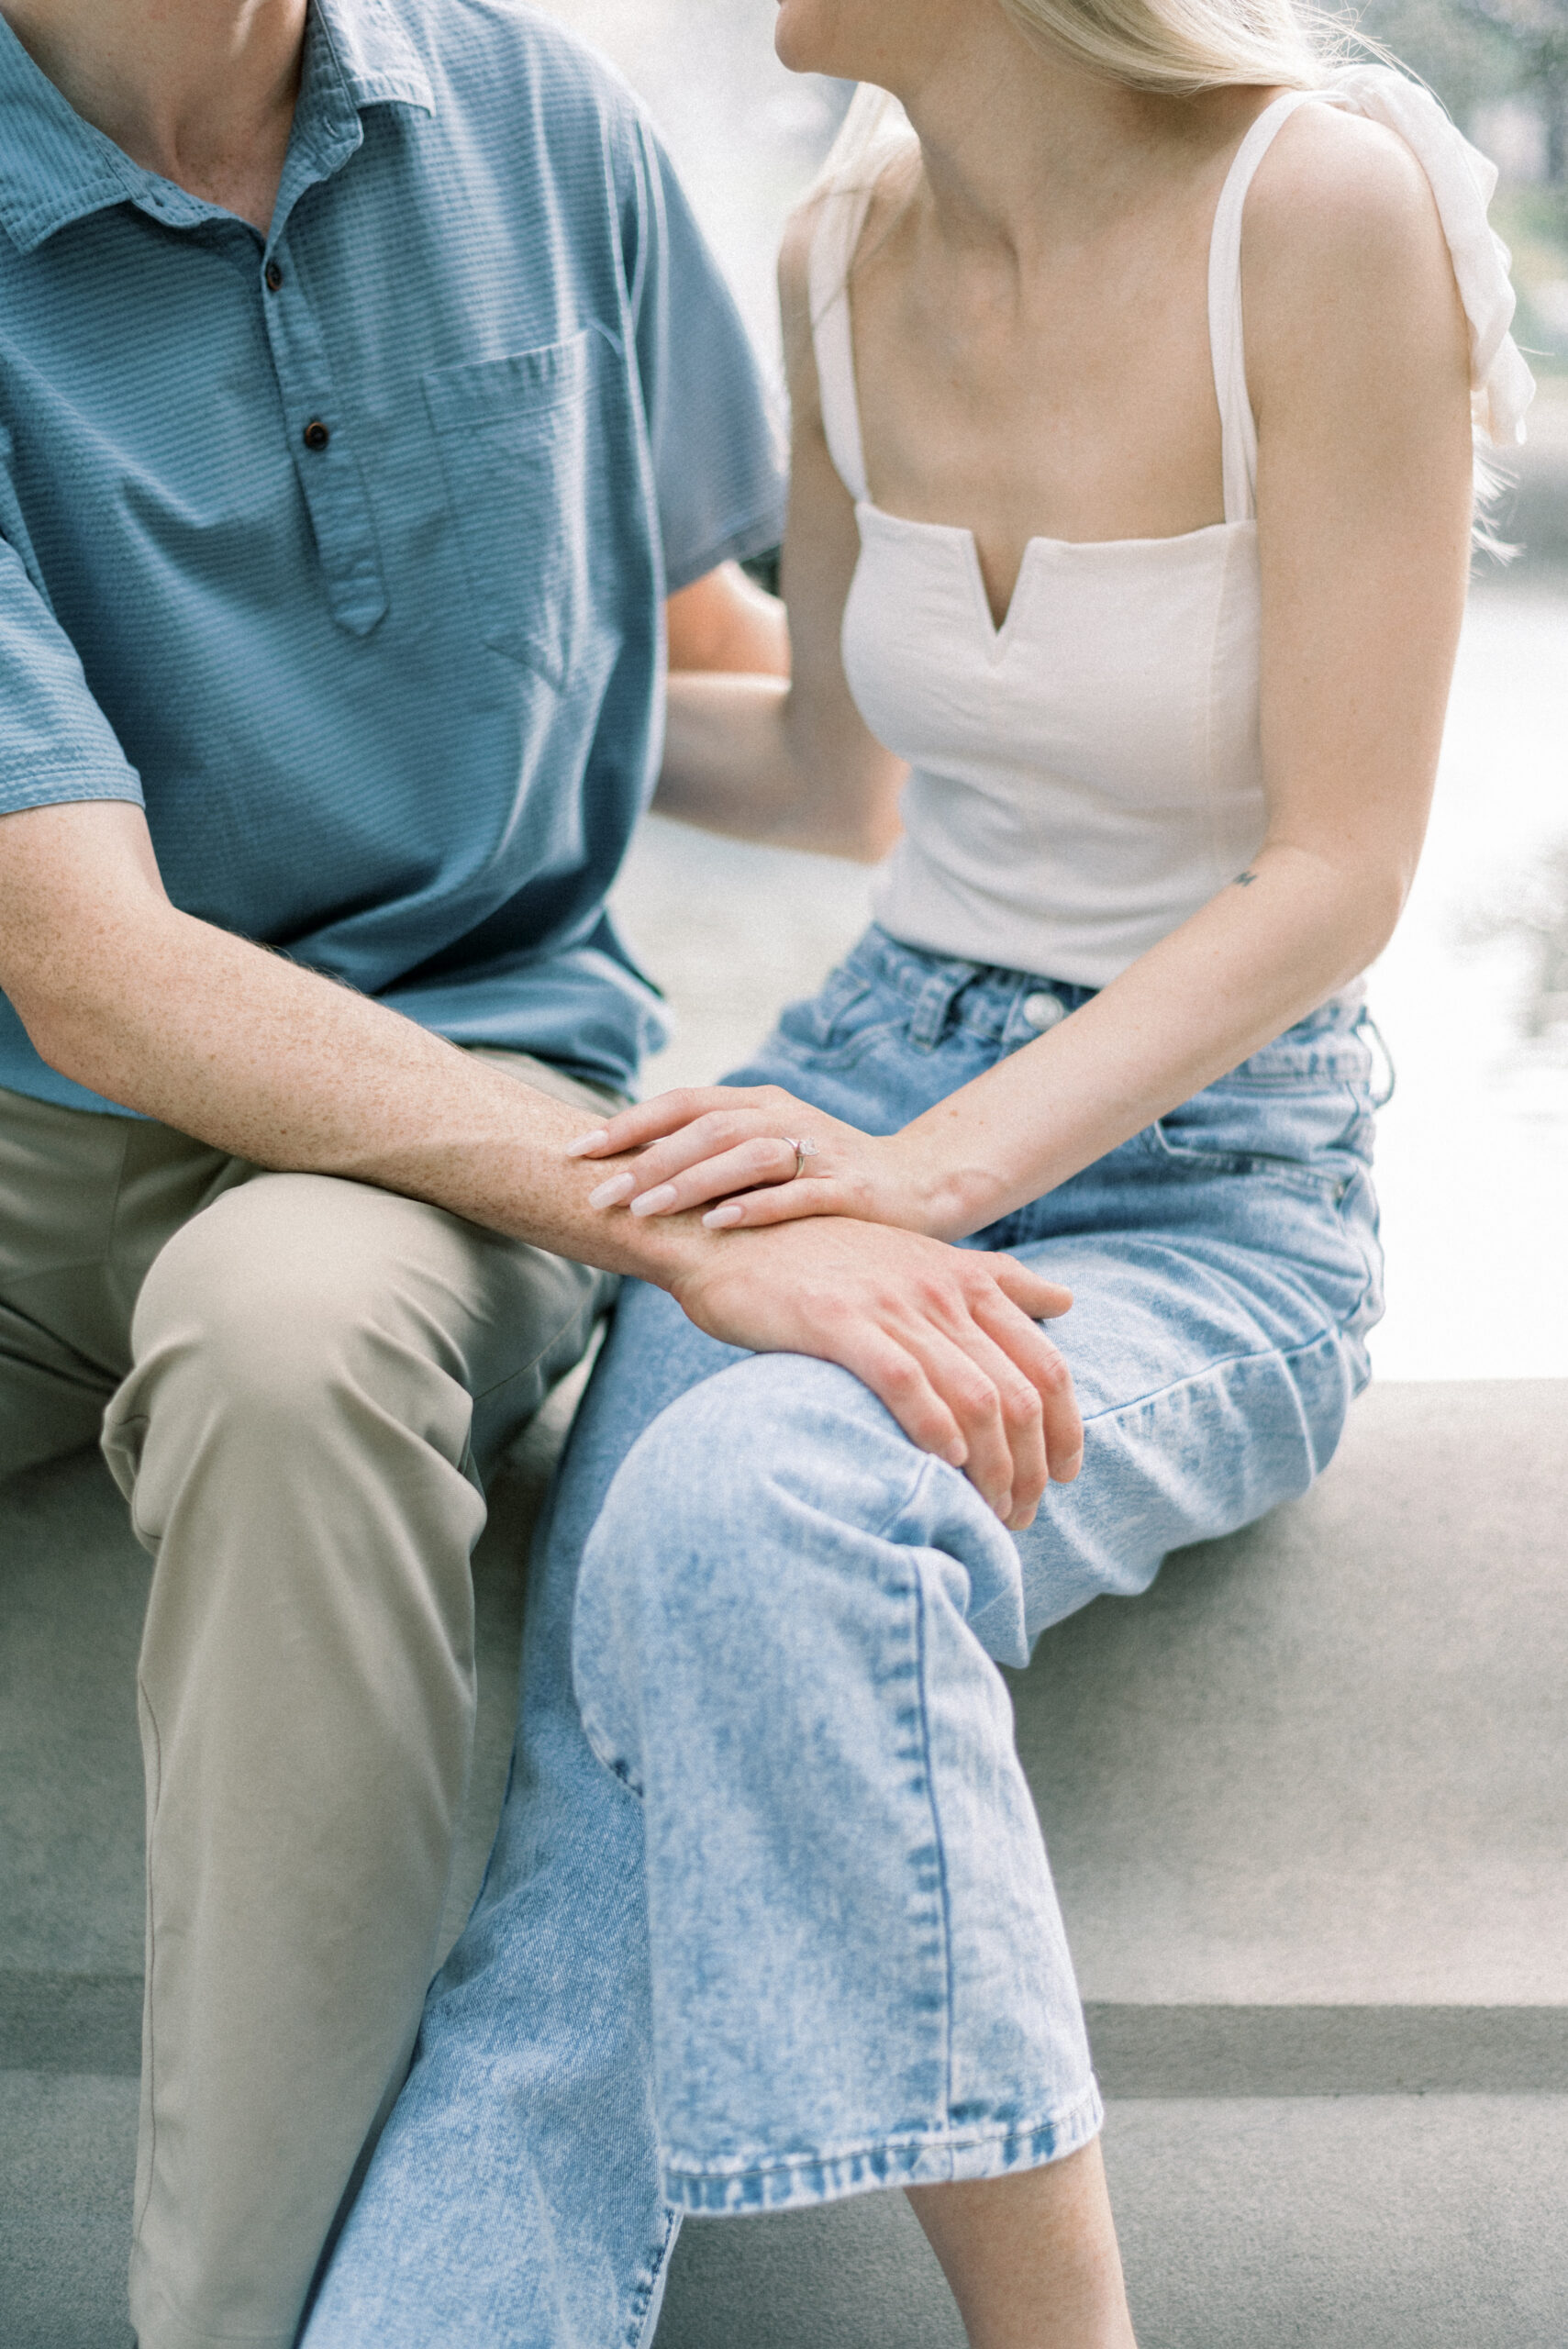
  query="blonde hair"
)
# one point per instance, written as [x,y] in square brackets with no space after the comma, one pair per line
[1173,48]
[1176,46]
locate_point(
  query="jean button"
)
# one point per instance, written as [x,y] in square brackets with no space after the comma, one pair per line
[1043,1011]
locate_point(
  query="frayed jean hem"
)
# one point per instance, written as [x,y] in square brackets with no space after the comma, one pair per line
[804,2179]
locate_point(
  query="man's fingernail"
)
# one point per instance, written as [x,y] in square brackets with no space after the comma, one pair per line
[611,1194]
[654,1202]
[716,1217]
[586,1143]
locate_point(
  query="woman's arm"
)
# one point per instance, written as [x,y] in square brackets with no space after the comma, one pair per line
[1359,373]
[723,622]
[757,756]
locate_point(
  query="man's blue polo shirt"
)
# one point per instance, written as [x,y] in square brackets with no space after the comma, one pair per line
[344,553]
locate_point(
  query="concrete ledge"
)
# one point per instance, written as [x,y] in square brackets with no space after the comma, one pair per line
[71,2022]
[1388,2224]
[91,2023]
[1308,1806]
[1149,2052]
[1325,1763]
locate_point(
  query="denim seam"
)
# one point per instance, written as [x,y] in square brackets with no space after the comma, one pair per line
[1333,1334]
[924,1463]
[935,1810]
[1060,2123]
[643,2290]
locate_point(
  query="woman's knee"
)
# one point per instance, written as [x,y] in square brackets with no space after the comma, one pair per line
[774,1500]
[771,1437]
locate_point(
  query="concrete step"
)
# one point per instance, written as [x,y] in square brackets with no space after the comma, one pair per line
[1324,1762]
[1395,2222]
[1390,2222]
[1308,1808]
[1305,1804]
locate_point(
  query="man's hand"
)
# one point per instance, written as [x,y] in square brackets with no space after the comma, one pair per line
[944,1337]
[165,1014]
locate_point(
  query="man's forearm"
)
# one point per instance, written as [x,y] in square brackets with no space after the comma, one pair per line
[244,1050]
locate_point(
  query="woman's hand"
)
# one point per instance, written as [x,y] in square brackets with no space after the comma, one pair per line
[735,1146]
[947,1338]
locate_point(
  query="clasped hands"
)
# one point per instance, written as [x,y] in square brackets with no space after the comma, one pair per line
[947,1338]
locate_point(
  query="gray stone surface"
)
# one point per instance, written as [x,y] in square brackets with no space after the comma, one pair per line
[1307,1804]
[73,1589]
[1344,2223]
[1324,1762]
[67,2161]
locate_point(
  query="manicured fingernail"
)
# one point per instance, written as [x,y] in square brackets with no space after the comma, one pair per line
[716,1217]
[611,1194]
[654,1202]
[586,1143]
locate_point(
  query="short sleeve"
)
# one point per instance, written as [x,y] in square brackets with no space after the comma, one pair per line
[718,458]
[55,743]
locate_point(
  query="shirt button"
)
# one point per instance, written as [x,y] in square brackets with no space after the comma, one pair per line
[1043,1011]
[317,434]
[274,277]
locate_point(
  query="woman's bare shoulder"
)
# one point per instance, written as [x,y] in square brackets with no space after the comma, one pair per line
[1344,257]
[1341,199]
[888,195]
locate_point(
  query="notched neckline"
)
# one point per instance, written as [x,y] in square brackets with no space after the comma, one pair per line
[997,631]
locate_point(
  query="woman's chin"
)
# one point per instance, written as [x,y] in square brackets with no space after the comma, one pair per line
[799,43]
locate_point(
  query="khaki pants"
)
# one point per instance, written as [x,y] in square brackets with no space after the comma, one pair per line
[305,1381]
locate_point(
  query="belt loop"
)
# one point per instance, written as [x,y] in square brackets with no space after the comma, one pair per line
[932,1006]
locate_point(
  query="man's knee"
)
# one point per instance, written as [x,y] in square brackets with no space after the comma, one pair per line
[277,1311]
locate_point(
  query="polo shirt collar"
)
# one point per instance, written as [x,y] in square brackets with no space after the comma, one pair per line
[378,62]
[56,168]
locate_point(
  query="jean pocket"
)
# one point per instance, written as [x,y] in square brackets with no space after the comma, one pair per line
[1314,1134]
[516,436]
[850,1013]
[1202,1151]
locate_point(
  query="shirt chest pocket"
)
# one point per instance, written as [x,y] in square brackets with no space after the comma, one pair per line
[516,439]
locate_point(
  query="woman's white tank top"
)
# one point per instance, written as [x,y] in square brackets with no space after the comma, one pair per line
[1088,774]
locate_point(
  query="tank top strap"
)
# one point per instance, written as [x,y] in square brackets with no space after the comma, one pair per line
[1238,431]
[837,233]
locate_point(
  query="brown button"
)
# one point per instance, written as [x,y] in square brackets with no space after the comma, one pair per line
[317,435]
[274,277]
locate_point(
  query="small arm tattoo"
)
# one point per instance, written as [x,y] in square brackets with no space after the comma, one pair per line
[1244,880]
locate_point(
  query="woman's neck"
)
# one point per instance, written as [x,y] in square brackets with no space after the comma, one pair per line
[1022,149]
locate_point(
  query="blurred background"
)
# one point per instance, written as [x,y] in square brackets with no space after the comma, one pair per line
[1472,997]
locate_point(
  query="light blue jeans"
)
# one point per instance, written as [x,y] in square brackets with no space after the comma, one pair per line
[768,1919]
